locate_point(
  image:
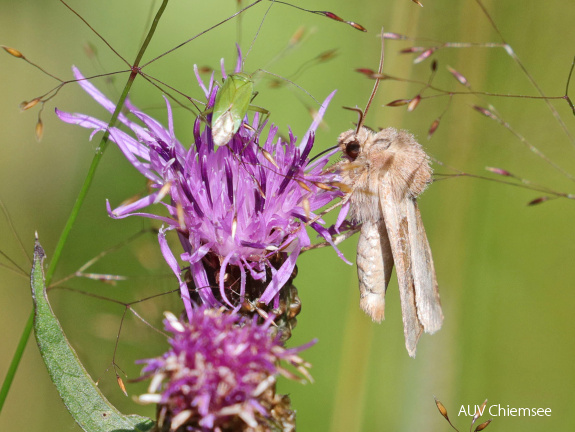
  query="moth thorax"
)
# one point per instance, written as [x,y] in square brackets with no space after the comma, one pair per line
[409,169]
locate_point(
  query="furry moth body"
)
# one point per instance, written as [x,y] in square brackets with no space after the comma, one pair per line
[386,171]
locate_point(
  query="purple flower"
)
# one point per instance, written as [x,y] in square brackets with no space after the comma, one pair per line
[221,369]
[239,210]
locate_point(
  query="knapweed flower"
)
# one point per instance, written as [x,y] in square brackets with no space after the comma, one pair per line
[219,374]
[239,210]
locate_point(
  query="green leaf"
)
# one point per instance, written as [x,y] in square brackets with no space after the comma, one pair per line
[91,410]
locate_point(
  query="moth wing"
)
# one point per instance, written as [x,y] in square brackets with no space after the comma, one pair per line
[374,266]
[395,213]
[423,271]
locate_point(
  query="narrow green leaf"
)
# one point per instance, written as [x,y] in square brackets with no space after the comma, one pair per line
[91,410]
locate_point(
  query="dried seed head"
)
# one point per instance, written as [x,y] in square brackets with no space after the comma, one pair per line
[486,112]
[441,408]
[333,16]
[276,83]
[365,71]
[412,50]
[27,105]
[413,103]
[297,36]
[12,51]
[398,102]
[483,425]
[327,55]
[479,412]
[458,76]
[499,171]
[357,26]
[121,385]
[538,200]
[394,36]
[90,50]
[424,55]
[432,128]
[417,2]
[39,130]
[205,69]
[379,76]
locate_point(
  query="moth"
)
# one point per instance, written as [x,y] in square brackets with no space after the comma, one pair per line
[386,171]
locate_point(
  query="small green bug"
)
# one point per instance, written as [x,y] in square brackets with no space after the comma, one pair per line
[231,105]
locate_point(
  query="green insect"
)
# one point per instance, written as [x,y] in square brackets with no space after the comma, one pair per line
[231,106]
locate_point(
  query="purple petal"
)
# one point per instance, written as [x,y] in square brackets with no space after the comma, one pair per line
[317,120]
[171,260]
[281,276]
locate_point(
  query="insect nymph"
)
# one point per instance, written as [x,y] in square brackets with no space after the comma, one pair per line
[386,171]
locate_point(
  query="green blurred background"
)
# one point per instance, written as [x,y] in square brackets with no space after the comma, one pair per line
[505,270]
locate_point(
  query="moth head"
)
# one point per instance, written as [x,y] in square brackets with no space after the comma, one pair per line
[353,143]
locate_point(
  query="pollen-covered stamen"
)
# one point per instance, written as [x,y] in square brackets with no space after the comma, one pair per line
[323,186]
[234,227]
[303,185]
[181,217]
[270,158]
[163,192]
[306,207]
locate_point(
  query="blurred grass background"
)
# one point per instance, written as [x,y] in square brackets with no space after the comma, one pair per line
[505,270]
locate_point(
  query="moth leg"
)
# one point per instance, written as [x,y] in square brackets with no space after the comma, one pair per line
[374,266]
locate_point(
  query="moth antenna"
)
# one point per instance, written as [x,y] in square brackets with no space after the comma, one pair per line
[363,113]
[376,85]
[360,114]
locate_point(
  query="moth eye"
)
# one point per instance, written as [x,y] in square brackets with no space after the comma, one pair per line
[352,149]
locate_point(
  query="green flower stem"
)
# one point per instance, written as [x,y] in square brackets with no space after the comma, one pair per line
[78,204]
[16,360]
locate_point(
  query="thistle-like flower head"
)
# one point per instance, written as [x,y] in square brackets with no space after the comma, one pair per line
[219,374]
[239,209]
